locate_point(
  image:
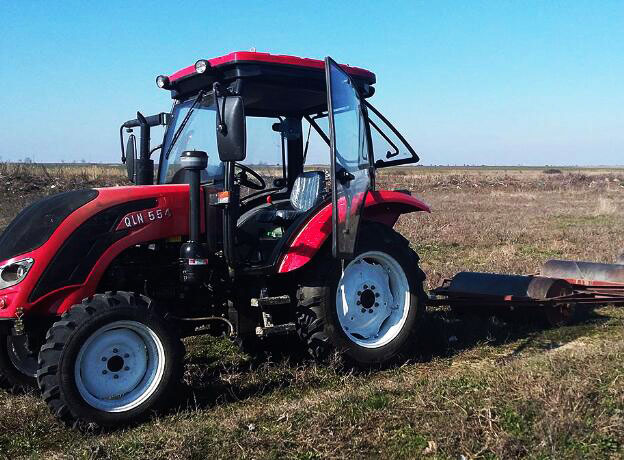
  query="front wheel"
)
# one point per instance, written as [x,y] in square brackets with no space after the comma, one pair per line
[18,363]
[109,362]
[372,309]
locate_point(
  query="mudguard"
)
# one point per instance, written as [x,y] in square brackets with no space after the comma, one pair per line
[382,206]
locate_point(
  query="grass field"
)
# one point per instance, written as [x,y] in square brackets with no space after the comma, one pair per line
[475,387]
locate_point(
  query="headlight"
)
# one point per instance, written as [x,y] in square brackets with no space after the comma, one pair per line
[201,66]
[13,273]
[162,81]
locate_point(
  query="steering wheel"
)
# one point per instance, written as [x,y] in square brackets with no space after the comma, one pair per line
[243,180]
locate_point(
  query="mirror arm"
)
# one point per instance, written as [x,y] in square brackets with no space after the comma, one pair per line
[216,92]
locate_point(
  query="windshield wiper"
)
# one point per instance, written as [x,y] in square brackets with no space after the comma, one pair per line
[183,124]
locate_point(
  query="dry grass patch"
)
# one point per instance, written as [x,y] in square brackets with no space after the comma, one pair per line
[481,387]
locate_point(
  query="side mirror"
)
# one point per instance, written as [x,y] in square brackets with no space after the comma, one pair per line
[231,128]
[131,157]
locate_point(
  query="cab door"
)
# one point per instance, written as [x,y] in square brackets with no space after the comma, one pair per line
[351,168]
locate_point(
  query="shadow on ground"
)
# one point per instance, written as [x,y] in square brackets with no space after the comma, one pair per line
[284,363]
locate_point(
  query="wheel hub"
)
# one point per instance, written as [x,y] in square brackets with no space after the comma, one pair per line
[372,299]
[366,299]
[118,366]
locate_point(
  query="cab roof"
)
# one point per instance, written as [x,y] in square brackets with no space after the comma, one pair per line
[254,57]
[271,83]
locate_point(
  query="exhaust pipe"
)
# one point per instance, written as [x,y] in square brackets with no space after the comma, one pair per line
[193,259]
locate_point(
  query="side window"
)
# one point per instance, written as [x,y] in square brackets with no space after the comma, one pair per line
[389,147]
[316,149]
[264,146]
[264,150]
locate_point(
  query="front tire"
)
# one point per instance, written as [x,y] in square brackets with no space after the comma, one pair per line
[371,311]
[109,362]
[18,364]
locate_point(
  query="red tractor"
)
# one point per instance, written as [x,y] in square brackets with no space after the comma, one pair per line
[98,287]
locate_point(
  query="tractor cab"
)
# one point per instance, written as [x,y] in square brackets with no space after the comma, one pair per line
[279,146]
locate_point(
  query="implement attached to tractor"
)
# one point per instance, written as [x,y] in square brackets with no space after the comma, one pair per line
[562,289]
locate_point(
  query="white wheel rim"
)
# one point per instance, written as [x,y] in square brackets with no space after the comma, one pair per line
[119,366]
[373,299]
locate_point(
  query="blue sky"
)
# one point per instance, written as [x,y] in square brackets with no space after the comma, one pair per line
[466,82]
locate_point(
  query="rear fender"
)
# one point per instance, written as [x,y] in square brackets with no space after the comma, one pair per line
[382,206]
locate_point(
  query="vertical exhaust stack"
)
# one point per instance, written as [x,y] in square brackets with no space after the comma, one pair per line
[193,259]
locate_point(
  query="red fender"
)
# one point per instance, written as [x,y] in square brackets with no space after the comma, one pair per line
[383,206]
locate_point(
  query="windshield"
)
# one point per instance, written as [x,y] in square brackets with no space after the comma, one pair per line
[198,133]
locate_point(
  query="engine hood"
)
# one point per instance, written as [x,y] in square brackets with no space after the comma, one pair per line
[36,223]
[73,237]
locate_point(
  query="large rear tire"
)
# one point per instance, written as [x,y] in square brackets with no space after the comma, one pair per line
[371,311]
[109,362]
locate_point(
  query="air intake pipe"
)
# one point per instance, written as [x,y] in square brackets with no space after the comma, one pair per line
[193,259]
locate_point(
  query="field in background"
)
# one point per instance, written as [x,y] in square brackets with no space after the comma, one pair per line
[477,387]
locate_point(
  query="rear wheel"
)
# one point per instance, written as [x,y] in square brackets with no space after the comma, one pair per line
[109,362]
[370,311]
[18,364]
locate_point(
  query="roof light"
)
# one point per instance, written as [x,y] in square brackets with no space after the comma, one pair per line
[162,81]
[201,66]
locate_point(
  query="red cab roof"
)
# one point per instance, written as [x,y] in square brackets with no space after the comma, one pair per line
[255,57]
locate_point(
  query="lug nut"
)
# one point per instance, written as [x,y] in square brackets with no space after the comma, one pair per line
[359,293]
[376,294]
[363,310]
[370,311]
[104,372]
[373,287]
[115,376]
[365,286]
[103,358]
[115,350]
[126,368]
[376,304]
[126,355]
[359,303]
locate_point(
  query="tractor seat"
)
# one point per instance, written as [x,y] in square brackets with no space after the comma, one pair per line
[308,190]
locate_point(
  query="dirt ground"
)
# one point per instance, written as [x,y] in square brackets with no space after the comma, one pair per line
[477,387]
